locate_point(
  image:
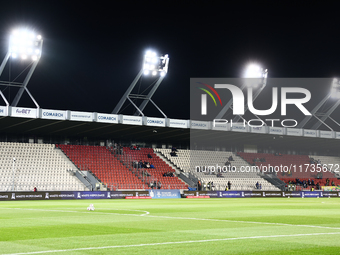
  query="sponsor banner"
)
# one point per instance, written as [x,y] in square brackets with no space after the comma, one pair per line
[198,197]
[146,197]
[106,118]
[294,131]
[310,133]
[201,193]
[156,122]
[329,194]
[165,193]
[252,194]
[337,135]
[311,194]
[261,130]
[230,194]
[24,112]
[90,195]
[3,111]
[175,123]
[81,116]
[291,193]
[276,130]
[53,114]
[330,188]
[124,194]
[239,127]
[131,120]
[272,193]
[196,124]
[326,134]
[222,126]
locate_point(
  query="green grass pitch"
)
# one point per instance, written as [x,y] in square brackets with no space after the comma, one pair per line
[172,226]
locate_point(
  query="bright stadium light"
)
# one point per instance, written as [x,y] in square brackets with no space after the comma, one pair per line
[25,44]
[155,64]
[256,74]
[335,90]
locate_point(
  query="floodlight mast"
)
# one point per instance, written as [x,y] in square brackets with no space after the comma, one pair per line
[26,45]
[321,117]
[153,65]
[253,72]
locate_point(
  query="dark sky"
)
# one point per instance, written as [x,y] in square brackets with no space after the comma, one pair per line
[93,50]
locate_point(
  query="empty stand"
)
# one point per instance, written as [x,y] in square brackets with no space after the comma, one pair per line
[36,165]
[104,165]
[241,176]
[154,174]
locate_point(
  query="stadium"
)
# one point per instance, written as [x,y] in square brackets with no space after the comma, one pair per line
[248,165]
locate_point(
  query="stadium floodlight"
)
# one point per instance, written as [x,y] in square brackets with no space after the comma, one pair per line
[155,64]
[256,74]
[25,44]
[335,90]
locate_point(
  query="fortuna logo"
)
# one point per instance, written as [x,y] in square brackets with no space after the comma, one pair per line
[204,97]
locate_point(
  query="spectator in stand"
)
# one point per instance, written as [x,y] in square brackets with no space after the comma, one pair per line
[35,189]
[152,166]
[309,182]
[149,155]
[229,185]
[313,184]
[173,149]
[333,184]
[260,186]
[173,153]
[318,186]
[327,182]
[137,147]
[257,185]
[230,158]
[159,185]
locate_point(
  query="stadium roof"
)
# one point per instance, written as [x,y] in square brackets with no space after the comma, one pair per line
[38,127]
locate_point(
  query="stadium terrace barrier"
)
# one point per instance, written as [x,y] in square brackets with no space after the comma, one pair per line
[158,194]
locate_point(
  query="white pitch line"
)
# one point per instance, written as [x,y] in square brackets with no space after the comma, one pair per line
[167,243]
[187,218]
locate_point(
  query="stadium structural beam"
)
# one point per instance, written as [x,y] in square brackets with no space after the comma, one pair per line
[24,87]
[127,93]
[326,115]
[303,123]
[148,97]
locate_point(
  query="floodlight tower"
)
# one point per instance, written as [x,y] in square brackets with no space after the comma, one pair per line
[24,45]
[256,77]
[155,66]
[333,95]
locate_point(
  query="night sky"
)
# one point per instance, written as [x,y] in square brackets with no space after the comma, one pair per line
[93,50]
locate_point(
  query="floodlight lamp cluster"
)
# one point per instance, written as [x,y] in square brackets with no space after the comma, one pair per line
[255,72]
[154,64]
[25,44]
[335,90]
